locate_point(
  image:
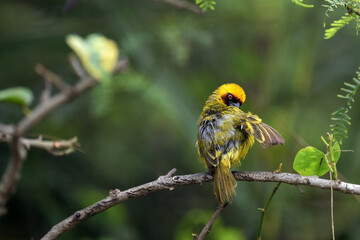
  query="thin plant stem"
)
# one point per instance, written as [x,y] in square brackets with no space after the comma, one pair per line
[332,160]
[263,210]
[332,207]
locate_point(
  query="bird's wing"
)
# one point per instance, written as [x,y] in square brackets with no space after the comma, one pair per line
[207,144]
[263,133]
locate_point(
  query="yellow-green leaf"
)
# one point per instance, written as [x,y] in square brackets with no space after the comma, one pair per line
[17,95]
[308,160]
[97,53]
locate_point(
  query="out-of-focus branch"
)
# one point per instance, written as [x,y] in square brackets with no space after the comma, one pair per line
[45,108]
[51,77]
[207,229]
[183,5]
[12,173]
[55,147]
[14,134]
[169,182]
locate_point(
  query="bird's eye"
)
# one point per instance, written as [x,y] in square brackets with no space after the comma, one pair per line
[230,96]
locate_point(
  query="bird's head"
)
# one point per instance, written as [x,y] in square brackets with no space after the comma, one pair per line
[231,94]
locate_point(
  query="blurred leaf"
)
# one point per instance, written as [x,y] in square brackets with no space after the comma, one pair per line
[97,53]
[17,95]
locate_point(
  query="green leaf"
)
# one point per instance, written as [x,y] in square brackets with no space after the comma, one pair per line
[308,160]
[17,95]
[324,168]
[337,25]
[299,2]
[311,161]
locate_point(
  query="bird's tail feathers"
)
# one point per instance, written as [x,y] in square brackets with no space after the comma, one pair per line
[224,184]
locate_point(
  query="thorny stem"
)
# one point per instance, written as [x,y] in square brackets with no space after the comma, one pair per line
[263,210]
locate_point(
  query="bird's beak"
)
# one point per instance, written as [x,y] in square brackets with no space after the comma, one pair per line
[235,104]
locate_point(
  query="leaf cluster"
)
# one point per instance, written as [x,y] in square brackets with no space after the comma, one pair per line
[353,13]
[206,4]
[340,117]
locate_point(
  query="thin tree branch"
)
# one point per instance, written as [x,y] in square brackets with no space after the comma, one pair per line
[51,77]
[55,147]
[183,5]
[208,227]
[169,182]
[44,109]
[11,175]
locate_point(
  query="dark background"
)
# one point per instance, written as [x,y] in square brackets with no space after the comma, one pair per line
[144,124]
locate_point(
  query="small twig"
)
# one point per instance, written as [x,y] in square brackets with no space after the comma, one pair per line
[46,93]
[57,148]
[11,175]
[208,227]
[264,210]
[77,67]
[51,77]
[301,191]
[183,5]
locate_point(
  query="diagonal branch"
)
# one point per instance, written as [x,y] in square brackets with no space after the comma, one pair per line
[11,175]
[45,108]
[169,182]
[207,229]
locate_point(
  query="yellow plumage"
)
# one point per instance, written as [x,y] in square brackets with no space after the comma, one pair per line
[225,134]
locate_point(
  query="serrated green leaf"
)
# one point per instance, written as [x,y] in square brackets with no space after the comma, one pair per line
[308,160]
[17,95]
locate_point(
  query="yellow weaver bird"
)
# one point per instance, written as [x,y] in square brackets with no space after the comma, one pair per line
[225,134]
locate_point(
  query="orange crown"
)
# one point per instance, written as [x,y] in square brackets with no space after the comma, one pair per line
[234,89]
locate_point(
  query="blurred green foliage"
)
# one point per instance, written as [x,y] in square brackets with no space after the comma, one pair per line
[143,123]
[16,95]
